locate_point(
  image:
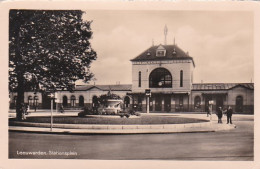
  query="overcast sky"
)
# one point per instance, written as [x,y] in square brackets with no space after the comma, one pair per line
[221,43]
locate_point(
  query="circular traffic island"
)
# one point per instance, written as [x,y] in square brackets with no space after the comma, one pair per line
[114,120]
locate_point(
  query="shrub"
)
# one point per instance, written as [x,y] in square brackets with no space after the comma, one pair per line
[85,112]
[81,114]
[132,112]
[138,114]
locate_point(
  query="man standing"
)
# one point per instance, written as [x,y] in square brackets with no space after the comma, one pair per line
[208,111]
[229,115]
[61,108]
[219,114]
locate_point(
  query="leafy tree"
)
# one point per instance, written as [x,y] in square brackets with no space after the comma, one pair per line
[48,49]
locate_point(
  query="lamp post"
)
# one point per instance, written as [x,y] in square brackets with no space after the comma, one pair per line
[148,95]
[52,96]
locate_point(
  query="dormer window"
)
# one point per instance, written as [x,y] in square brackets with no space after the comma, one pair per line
[160,53]
[174,52]
[148,53]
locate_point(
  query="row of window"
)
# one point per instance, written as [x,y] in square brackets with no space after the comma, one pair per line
[239,103]
[72,101]
[81,101]
[167,103]
[160,78]
[33,101]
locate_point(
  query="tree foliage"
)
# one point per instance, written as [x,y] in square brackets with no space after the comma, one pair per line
[48,49]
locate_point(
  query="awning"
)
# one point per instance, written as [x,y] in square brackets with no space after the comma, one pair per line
[135,93]
[161,92]
[214,92]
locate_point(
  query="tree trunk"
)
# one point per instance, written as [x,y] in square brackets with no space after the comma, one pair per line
[20,78]
[20,81]
[20,97]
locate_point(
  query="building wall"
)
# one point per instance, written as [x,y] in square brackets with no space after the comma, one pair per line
[174,103]
[173,66]
[88,96]
[247,95]
[228,100]
[188,100]
[26,96]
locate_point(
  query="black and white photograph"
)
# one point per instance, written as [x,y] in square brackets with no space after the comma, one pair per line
[131,84]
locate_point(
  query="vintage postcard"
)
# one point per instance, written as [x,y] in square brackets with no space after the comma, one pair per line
[133,84]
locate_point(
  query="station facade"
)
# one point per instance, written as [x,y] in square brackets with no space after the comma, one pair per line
[168,72]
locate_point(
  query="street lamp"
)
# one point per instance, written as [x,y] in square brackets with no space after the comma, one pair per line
[148,94]
[52,96]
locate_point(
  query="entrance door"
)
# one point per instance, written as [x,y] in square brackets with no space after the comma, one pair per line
[158,103]
[219,102]
[207,99]
[167,103]
[239,104]
[150,103]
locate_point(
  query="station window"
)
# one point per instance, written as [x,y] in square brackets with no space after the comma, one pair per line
[139,79]
[160,78]
[181,78]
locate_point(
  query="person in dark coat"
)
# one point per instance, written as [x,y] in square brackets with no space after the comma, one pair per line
[219,114]
[229,115]
[208,110]
[61,109]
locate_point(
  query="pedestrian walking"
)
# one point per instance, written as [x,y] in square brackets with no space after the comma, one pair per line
[219,114]
[35,107]
[208,110]
[229,115]
[61,109]
[27,107]
[23,109]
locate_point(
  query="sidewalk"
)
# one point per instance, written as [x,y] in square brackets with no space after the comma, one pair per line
[212,126]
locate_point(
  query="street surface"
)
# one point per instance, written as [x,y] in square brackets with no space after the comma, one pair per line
[236,144]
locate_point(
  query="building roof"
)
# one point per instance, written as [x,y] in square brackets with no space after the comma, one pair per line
[173,52]
[220,86]
[195,86]
[121,87]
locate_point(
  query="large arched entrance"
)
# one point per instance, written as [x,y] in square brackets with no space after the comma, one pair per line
[239,104]
[160,78]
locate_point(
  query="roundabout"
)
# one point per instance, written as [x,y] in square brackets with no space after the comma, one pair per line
[114,120]
[96,124]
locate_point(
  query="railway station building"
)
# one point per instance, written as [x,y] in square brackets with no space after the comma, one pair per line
[167,71]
